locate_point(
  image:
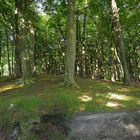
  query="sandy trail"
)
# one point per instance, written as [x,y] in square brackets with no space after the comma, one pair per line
[120,125]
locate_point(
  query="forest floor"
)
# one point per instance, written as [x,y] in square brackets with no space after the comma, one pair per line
[44,108]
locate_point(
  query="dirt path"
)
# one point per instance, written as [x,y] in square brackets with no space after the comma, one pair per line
[121,125]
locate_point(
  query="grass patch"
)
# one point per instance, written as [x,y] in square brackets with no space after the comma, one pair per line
[5,79]
[46,97]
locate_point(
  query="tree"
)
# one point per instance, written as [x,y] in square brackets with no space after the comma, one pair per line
[120,42]
[8,52]
[18,72]
[71,45]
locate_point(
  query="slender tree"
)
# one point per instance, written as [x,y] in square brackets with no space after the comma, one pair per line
[83,49]
[120,42]
[8,52]
[0,58]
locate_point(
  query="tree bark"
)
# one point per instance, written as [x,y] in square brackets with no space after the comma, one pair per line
[27,53]
[120,42]
[32,49]
[83,49]
[8,52]
[0,59]
[26,42]
[23,53]
[17,48]
[71,46]
[78,47]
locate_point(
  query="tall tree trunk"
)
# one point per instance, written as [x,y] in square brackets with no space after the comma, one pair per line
[8,52]
[111,58]
[102,69]
[0,59]
[120,42]
[46,53]
[27,53]
[12,63]
[23,52]
[35,51]
[97,59]
[71,46]
[78,37]
[26,43]
[17,44]
[17,57]
[32,49]
[83,49]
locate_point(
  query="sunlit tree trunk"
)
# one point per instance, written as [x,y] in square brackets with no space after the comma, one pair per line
[12,63]
[83,49]
[1,59]
[120,42]
[102,68]
[32,48]
[78,38]
[111,57]
[23,51]
[92,63]
[97,59]
[8,52]
[71,46]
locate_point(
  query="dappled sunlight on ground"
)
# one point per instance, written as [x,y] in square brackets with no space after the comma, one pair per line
[116,96]
[9,87]
[82,108]
[138,102]
[132,128]
[98,94]
[124,89]
[91,96]
[113,104]
[100,101]
[85,98]
[108,87]
[90,87]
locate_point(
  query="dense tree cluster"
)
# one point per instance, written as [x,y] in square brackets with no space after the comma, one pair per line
[87,38]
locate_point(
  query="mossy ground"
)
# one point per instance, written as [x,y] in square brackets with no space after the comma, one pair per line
[27,104]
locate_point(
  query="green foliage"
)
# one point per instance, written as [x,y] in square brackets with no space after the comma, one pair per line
[50,23]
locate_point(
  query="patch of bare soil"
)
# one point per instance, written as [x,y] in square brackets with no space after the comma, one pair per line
[123,125]
[50,127]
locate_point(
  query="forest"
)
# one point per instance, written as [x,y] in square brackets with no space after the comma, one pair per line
[61,57]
